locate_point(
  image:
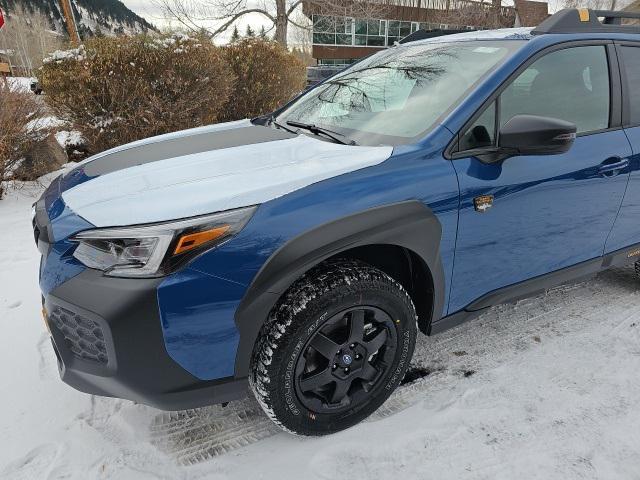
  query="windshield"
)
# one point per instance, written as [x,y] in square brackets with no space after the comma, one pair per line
[398,94]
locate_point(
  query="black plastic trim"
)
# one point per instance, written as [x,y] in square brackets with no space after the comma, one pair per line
[41,223]
[409,224]
[568,21]
[536,285]
[139,367]
[626,89]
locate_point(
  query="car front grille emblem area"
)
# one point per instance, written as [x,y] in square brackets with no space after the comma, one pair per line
[83,336]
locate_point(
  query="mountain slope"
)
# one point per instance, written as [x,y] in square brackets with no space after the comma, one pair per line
[94,17]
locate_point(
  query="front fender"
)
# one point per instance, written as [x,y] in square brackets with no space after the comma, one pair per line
[408,224]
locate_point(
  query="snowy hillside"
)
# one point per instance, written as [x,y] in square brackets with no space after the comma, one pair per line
[544,389]
[106,17]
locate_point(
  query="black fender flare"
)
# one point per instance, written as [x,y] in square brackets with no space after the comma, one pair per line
[409,224]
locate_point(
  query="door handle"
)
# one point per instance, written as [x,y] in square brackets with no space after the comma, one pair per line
[612,168]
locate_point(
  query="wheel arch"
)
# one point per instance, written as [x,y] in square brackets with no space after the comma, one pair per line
[406,267]
[406,232]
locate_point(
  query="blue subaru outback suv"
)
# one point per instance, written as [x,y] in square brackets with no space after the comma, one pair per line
[298,254]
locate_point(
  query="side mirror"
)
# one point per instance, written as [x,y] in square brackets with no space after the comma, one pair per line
[535,135]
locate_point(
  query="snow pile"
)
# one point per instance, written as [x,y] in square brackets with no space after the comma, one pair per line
[68,138]
[47,123]
[78,54]
[544,389]
[20,84]
[179,42]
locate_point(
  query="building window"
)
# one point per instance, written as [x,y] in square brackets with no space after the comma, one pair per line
[330,30]
[398,30]
[338,62]
[370,32]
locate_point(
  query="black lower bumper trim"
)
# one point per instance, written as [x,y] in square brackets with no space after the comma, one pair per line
[138,366]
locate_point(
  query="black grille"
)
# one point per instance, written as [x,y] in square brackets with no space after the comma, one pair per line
[83,336]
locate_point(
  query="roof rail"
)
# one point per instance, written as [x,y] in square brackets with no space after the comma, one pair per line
[584,20]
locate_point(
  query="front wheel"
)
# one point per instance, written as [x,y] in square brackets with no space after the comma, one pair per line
[334,349]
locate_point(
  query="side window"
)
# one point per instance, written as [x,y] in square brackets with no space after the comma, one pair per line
[570,84]
[482,132]
[631,61]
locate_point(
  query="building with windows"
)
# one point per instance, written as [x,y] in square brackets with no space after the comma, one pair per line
[342,39]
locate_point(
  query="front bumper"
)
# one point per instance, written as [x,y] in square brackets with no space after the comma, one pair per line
[112,345]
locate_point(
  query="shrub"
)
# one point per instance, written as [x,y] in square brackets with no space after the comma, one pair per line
[267,76]
[22,125]
[117,90]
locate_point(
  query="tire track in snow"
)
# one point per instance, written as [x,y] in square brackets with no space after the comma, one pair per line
[502,333]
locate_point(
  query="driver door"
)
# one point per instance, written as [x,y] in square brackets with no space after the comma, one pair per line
[531,215]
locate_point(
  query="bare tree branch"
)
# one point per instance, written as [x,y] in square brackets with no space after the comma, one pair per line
[295,5]
[235,17]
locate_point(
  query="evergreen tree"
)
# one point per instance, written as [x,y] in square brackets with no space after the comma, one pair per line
[235,36]
[250,32]
[263,32]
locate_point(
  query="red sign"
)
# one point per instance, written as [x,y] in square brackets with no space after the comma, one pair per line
[1,19]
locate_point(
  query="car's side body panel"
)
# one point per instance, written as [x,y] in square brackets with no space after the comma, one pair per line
[625,231]
[549,212]
[536,285]
[538,201]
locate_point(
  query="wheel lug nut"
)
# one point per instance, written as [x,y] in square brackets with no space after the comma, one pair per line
[353,345]
[346,370]
[358,356]
[334,366]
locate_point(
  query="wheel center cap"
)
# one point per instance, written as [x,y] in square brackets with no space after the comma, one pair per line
[347,359]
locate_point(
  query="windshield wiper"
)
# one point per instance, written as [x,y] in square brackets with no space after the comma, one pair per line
[273,121]
[319,130]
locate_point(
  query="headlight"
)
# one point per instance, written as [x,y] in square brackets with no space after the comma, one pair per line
[155,250]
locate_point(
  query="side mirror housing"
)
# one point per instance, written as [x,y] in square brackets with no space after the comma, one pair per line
[535,135]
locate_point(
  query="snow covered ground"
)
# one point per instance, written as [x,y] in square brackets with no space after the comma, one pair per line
[20,83]
[548,388]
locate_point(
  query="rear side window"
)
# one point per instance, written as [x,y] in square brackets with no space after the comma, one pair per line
[631,62]
[570,84]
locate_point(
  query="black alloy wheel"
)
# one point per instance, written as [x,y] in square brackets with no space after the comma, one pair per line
[344,360]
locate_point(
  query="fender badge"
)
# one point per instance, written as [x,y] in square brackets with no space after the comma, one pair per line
[483,203]
[633,253]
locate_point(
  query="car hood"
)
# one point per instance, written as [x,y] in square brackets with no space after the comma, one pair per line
[202,171]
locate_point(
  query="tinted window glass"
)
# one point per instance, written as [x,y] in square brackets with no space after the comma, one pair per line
[631,61]
[482,132]
[570,84]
